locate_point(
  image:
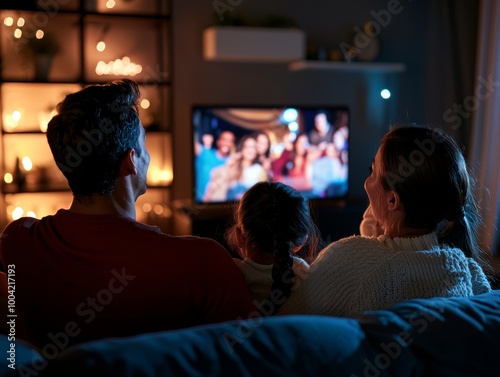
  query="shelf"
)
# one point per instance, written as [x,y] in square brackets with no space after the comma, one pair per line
[35,189]
[252,44]
[301,65]
[136,38]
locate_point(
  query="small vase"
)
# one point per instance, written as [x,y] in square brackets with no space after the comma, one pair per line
[42,63]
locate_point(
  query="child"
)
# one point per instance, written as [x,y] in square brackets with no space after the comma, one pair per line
[272,223]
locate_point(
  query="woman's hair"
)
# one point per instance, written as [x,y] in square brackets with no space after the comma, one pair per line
[92,132]
[274,219]
[428,171]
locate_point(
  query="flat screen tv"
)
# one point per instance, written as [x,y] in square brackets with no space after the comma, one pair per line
[236,146]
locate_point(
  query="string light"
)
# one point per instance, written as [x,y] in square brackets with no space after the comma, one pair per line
[118,67]
[8,178]
[101,46]
[27,164]
[17,213]
[16,116]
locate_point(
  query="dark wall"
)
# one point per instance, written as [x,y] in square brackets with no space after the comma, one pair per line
[418,36]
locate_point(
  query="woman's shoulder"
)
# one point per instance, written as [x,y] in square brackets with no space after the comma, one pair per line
[352,247]
[440,257]
[355,242]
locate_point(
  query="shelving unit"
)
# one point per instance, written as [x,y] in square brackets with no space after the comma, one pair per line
[302,65]
[84,42]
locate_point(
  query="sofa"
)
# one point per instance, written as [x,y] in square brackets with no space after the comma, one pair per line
[455,337]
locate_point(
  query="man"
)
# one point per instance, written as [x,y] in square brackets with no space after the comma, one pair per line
[93,271]
[322,133]
[208,159]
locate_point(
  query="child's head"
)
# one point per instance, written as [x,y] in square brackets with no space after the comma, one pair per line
[273,221]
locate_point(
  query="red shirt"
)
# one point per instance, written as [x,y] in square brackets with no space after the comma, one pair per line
[82,277]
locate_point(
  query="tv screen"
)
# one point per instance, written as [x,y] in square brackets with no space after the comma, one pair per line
[304,147]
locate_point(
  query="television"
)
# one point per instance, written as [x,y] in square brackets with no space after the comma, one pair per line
[305,147]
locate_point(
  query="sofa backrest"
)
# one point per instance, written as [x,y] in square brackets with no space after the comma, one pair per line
[423,337]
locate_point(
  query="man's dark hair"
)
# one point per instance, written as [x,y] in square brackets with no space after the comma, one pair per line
[92,132]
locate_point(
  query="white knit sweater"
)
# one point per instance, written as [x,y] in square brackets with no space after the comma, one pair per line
[358,273]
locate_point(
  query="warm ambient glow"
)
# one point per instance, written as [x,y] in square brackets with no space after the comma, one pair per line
[158,176]
[44,118]
[18,33]
[110,4]
[8,21]
[39,34]
[11,121]
[8,178]
[17,213]
[101,46]
[158,209]
[27,164]
[20,22]
[16,116]
[118,67]
[145,103]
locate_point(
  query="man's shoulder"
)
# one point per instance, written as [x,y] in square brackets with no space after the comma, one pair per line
[19,225]
[187,243]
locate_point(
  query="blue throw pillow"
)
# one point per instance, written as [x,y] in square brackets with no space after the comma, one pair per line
[457,336]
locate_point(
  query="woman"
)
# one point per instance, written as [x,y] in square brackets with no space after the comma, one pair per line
[421,199]
[264,149]
[293,167]
[240,172]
